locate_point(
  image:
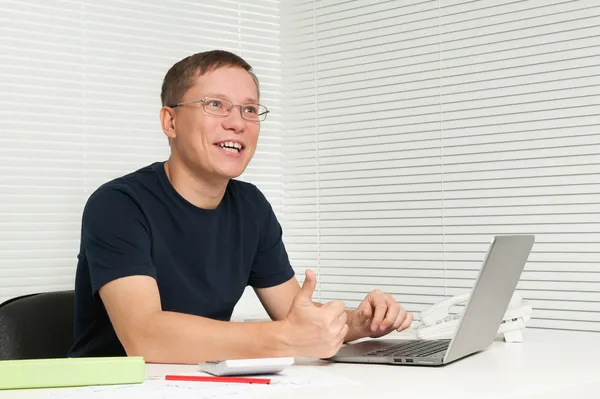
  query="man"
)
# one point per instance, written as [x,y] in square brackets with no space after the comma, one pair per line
[167,251]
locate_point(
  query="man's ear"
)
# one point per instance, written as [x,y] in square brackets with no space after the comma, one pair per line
[167,121]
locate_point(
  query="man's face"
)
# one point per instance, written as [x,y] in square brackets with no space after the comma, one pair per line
[200,136]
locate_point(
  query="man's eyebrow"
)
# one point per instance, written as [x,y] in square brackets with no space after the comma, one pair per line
[246,101]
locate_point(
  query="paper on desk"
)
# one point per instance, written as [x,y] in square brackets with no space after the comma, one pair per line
[308,376]
[293,377]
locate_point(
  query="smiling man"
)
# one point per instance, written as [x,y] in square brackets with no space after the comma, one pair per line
[167,250]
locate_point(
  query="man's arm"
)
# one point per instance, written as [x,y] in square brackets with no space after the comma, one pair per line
[277,299]
[144,329]
[133,305]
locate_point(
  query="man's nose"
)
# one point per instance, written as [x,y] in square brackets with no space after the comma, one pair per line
[234,120]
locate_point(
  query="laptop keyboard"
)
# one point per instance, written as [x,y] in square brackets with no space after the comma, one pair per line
[412,348]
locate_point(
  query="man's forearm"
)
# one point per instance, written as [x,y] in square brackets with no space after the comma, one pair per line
[171,337]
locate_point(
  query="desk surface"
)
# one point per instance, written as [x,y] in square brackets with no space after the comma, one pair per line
[548,365]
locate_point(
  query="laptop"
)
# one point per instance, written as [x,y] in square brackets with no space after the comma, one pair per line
[478,326]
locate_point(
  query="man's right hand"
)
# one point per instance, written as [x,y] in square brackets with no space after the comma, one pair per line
[315,331]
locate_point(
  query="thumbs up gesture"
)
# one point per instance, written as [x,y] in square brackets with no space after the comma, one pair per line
[315,331]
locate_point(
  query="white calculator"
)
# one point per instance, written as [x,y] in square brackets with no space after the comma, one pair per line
[247,366]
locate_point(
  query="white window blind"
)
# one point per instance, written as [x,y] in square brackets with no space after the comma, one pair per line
[417,130]
[80,95]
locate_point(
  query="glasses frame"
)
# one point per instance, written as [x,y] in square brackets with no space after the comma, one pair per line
[203,102]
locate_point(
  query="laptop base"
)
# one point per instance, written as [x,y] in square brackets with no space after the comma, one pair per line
[394,351]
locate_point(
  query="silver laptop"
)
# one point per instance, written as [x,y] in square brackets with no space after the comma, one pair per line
[478,326]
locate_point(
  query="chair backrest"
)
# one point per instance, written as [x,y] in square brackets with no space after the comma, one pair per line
[37,326]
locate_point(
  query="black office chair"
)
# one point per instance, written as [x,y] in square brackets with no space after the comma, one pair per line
[37,326]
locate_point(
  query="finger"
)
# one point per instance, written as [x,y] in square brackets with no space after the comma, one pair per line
[309,285]
[339,340]
[343,317]
[400,318]
[335,329]
[407,322]
[339,326]
[342,334]
[393,309]
[380,311]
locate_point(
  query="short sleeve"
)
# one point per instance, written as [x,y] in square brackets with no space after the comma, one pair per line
[115,238]
[271,264]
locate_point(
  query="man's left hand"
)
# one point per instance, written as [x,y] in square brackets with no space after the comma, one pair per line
[377,315]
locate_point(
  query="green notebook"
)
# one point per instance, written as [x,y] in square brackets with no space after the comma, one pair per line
[71,372]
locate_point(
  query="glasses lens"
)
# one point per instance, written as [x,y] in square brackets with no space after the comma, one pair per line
[217,106]
[254,112]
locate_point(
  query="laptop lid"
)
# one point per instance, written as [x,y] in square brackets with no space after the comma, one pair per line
[497,280]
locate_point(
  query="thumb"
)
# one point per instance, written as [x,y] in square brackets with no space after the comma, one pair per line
[309,285]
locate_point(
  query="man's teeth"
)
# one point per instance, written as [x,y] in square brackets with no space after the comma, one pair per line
[230,146]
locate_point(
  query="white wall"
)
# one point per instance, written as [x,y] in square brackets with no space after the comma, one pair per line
[416,130]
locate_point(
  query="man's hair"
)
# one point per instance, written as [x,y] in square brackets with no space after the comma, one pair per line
[182,75]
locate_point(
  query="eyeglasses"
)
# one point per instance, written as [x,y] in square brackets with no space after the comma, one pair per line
[222,107]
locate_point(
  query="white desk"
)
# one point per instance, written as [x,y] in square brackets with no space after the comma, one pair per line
[548,365]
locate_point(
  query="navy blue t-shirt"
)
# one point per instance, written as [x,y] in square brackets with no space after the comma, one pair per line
[201,259]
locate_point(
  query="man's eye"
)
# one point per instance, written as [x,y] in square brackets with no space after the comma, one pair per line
[215,103]
[251,109]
